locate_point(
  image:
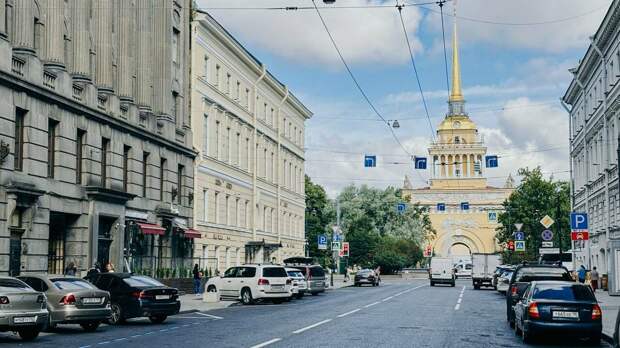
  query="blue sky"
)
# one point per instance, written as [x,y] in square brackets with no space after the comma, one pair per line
[514,71]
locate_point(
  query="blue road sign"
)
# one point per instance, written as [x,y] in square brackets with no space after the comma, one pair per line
[441,206]
[519,235]
[579,221]
[546,235]
[419,162]
[322,242]
[491,161]
[370,161]
[465,206]
[337,237]
[401,207]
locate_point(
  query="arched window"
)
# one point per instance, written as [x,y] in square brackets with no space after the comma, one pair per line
[457,140]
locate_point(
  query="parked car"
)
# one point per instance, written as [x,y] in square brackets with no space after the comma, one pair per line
[366,276]
[22,309]
[299,285]
[503,281]
[617,331]
[134,296]
[441,271]
[464,270]
[483,267]
[252,282]
[71,300]
[521,279]
[499,270]
[315,276]
[561,307]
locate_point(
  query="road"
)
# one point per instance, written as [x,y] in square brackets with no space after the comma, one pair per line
[396,314]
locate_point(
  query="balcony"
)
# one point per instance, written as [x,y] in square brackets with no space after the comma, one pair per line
[17,66]
[49,80]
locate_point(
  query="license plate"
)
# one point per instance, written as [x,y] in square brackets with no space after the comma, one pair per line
[24,320]
[162,297]
[91,300]
[277,287]
[565,315]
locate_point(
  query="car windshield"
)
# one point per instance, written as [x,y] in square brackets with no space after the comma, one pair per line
[9,285]
[568,292]
[276,272]
[71,284]
[468,266]
[295,274]
[528,274]
[141,281]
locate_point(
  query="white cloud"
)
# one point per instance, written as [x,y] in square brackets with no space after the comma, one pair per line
[363,35]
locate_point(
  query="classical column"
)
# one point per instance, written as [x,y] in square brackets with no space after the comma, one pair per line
[162,67]
[472,160]
[103,12]
[450,165]
[54,52]
[80,20]
[23,26]
[127,18]
[3,23]
[144,16]
[443,166]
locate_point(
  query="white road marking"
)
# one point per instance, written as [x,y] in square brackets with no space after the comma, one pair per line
[372,304]
[209,315]
[85,346]
[120,339]
[349,312]
[266,343]
[104,342]
[387,298]
[135,336]
[459,301]
[312,326]
[458,305]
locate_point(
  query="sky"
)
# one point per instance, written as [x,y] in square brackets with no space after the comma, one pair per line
[515,57]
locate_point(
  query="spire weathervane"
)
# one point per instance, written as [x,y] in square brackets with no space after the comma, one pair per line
[456,99]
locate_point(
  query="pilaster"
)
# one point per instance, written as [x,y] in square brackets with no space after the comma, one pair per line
[54,37]
[23,27]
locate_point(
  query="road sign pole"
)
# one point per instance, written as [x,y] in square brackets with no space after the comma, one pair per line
[558,218]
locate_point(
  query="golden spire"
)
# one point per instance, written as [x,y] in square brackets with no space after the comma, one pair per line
[455,94]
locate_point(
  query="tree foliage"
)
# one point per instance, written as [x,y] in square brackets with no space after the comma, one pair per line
[317,218]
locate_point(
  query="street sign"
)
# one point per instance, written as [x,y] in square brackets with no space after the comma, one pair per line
[465,206]
[345,248]
[491,161]
[337,237]
[510,245]
[322,242]
[518,226]
[401,207]
[546,235]
[579,222]
[547,221]
[547,244]
[370,161]
[335,246]
[419,162]
[519,245]
[579,236]
[548,251]
[441,206]
[519,235]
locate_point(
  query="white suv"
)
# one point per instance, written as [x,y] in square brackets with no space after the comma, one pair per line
[252,282]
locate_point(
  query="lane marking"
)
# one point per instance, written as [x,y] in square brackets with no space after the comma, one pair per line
[209,315]
[372,304]
[135,336]
[459,301]
[312,326]
[387,298]
[85,346]
[104,342]
[458,305]
[120,339]
[349,312]
[266,343]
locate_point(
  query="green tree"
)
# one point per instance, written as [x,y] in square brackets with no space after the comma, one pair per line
[534,198]
[317,219]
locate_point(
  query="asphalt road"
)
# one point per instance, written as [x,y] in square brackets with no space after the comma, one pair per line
[396,314]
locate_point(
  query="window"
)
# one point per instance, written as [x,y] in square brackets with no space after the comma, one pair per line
[105,144]
[238,92]
[247,214]
[217,139]
[228,84]
[180,173]
[237,212]
[227,211]
[20,115]
[274,272]
[228,147]
[205,135]
[175,45]
[205,201]
[206,67]
[51,147]
[217,75]
[265,113]
[247,98]
[145,164]
[162,168]
[249,153]
[216,207]
[126,167]
[79,154]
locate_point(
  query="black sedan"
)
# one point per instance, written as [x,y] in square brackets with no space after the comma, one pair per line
[366,276]
[134,296]
[559,307]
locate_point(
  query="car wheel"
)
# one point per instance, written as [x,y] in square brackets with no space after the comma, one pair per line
[90,326]
[29,334]
[299,295]
[453,284]
[246,297]
[357,284]
[315,294]
[117,314]
[277,300]
[476,287]
[211,288]
[158,319]
[432,284]
[50,325]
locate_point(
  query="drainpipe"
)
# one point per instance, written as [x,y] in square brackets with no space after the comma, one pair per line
[255,139]
[278,186]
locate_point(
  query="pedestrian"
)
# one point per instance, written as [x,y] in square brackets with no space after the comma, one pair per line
[109,267]
[581,274]
[71,270]
[594,277]
[197,277]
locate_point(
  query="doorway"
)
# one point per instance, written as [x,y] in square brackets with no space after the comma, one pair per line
[104,240]
[15,253]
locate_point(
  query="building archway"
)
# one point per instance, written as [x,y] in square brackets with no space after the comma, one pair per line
[459,249]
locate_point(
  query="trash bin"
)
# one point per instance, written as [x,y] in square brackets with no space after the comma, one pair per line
[604,281]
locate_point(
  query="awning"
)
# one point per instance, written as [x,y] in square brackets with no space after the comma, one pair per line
[151,229]
[190,233]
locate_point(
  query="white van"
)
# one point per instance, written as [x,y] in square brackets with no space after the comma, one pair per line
[441,271]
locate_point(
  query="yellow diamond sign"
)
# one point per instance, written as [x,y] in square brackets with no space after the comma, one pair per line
[547,221]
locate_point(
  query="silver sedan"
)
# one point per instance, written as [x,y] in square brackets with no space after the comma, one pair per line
[22,309]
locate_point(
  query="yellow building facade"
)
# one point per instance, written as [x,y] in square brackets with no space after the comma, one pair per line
[463,209]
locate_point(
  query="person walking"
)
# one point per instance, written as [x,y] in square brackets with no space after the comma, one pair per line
[346,274]
[581,274]
[196,273]
[109,267]
[71,270]
[594,278]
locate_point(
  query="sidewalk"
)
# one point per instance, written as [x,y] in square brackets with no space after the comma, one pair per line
[610,306]
[338,281]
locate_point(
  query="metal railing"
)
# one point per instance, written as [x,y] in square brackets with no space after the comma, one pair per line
[169,267]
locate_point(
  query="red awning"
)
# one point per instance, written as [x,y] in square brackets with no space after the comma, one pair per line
[190,233]
[151,229]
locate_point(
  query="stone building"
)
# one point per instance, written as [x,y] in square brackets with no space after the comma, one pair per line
[249,131]
[96,158]
[463,209]
[593,99]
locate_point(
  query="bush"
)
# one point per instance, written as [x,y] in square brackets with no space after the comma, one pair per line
[389,261]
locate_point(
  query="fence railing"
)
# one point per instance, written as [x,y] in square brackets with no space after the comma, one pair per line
[169,267]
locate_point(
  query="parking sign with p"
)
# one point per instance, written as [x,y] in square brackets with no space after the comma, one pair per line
[579,222]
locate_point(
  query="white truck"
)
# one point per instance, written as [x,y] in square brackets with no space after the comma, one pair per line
[483,267]
[441,271]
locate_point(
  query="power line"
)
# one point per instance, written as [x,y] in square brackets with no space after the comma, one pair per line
[302,8]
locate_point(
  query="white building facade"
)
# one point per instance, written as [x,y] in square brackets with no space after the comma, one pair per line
[249,131]
[593,100]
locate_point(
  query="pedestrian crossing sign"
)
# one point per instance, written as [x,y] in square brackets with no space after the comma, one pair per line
[519,245]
